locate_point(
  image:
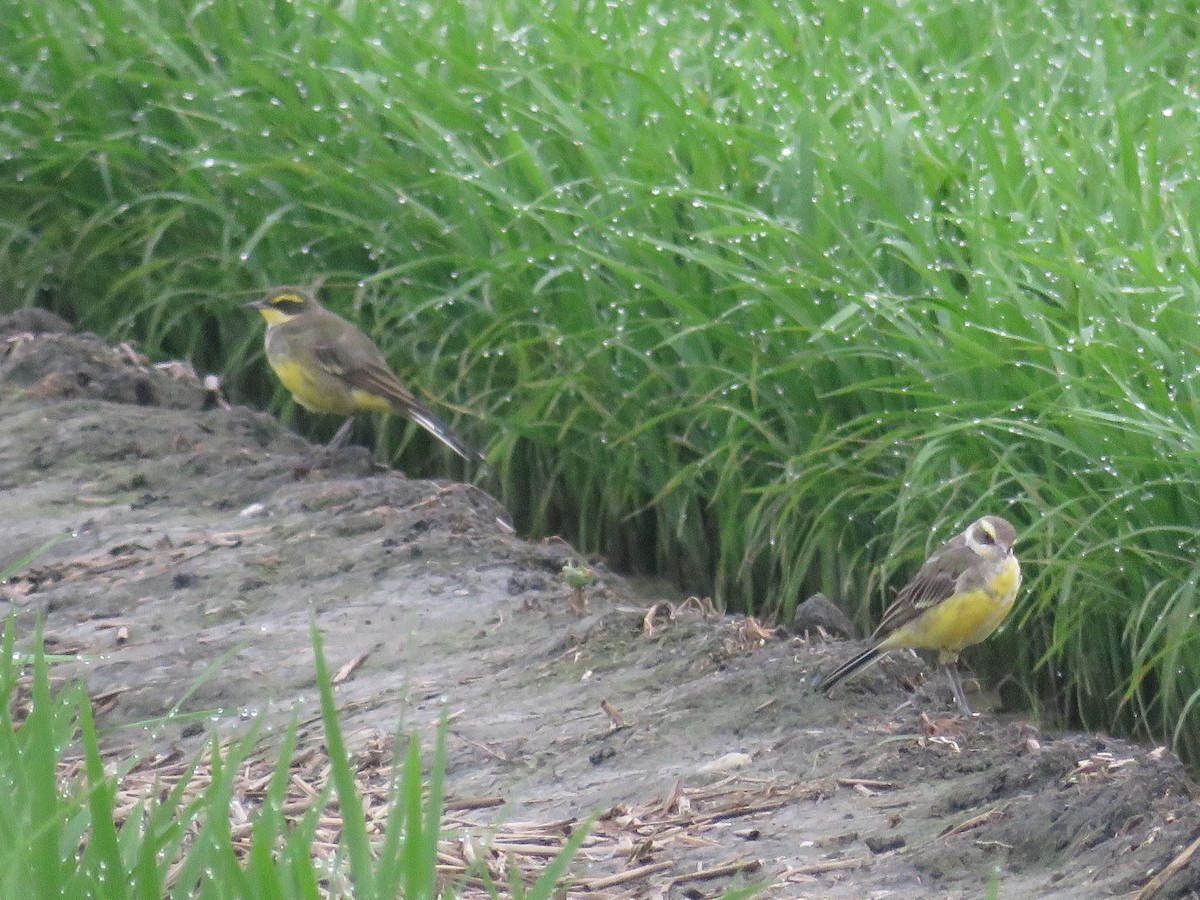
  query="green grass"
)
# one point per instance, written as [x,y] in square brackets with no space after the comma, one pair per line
[70,837]
[768,296]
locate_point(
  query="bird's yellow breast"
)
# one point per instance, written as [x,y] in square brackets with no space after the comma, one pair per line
[320,391]
[964,618]
[1007,582]
[302,382]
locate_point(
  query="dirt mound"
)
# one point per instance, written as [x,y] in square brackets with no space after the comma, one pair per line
[41,357]
[201,540]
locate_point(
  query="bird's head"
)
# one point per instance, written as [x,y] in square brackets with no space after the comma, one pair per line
[283,304]
[991,537]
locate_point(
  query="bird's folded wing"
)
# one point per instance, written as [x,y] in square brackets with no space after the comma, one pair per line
[371,375]
[933,584]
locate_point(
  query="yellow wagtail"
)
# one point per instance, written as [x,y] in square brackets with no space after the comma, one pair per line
[959,597]
[331,366]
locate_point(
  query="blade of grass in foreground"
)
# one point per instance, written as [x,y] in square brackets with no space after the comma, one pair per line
[548,883]
[354,827]
[211,863]
[266,874]
[408,857]
[40,768]
[17,565]
[103,852]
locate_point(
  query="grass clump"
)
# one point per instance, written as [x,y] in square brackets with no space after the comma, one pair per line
[769,296]
[70,826]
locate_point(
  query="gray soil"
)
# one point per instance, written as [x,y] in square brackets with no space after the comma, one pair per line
[202,539]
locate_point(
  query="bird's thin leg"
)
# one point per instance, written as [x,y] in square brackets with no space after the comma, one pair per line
[340,437]
[959,697]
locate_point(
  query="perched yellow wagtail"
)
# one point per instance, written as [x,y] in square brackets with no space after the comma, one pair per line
[959,597]
[331,366]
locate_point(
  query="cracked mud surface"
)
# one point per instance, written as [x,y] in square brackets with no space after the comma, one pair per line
[202,540]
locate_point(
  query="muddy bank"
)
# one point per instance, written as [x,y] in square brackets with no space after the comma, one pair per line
[201,540]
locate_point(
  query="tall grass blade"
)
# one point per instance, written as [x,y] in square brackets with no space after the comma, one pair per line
[354,829]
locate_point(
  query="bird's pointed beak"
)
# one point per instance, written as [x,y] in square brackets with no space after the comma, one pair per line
[253,304]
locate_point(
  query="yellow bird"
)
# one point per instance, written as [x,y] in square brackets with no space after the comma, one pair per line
[331,366]
[960,596]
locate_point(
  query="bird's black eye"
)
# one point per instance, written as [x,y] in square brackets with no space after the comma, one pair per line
[986,537]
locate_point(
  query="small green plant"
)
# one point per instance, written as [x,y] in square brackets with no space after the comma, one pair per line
[71,838]
[993,884]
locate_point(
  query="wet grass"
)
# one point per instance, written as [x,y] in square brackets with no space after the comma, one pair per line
[74,837]
[769,296]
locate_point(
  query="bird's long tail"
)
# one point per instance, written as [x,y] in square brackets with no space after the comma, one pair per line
[441,431]
[864,659]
